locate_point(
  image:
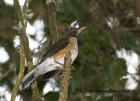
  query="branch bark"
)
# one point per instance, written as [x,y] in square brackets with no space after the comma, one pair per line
[64,78]
[22,18]
[21,72]
[51,7]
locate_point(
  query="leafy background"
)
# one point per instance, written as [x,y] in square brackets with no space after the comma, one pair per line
[111,25]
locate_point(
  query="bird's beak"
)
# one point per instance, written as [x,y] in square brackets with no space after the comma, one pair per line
[80,29]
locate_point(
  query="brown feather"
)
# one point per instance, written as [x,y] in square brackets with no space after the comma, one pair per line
[62,52]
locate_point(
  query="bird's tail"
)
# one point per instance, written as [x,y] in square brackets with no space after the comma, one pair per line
[27,80]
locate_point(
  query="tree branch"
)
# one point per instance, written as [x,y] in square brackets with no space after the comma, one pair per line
[22,29]
[21,72]
[64,78]
[51,7]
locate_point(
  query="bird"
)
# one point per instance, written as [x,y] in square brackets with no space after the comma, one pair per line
[52,62]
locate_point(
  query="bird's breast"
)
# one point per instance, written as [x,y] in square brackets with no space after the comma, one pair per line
[72,47]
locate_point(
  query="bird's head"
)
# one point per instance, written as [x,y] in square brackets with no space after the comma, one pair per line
[74,29]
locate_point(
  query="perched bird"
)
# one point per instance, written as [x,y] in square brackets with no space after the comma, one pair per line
[53,60]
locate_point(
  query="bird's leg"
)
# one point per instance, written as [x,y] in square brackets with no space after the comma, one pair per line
[59,63]
[63,64]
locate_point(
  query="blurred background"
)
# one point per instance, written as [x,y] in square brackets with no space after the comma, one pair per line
[109,48]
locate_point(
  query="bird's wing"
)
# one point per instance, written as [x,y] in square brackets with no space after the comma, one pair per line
[55,48]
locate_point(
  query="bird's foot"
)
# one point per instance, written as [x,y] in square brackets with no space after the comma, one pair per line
[72,67]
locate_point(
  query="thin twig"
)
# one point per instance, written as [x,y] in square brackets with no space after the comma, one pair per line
[6,74]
